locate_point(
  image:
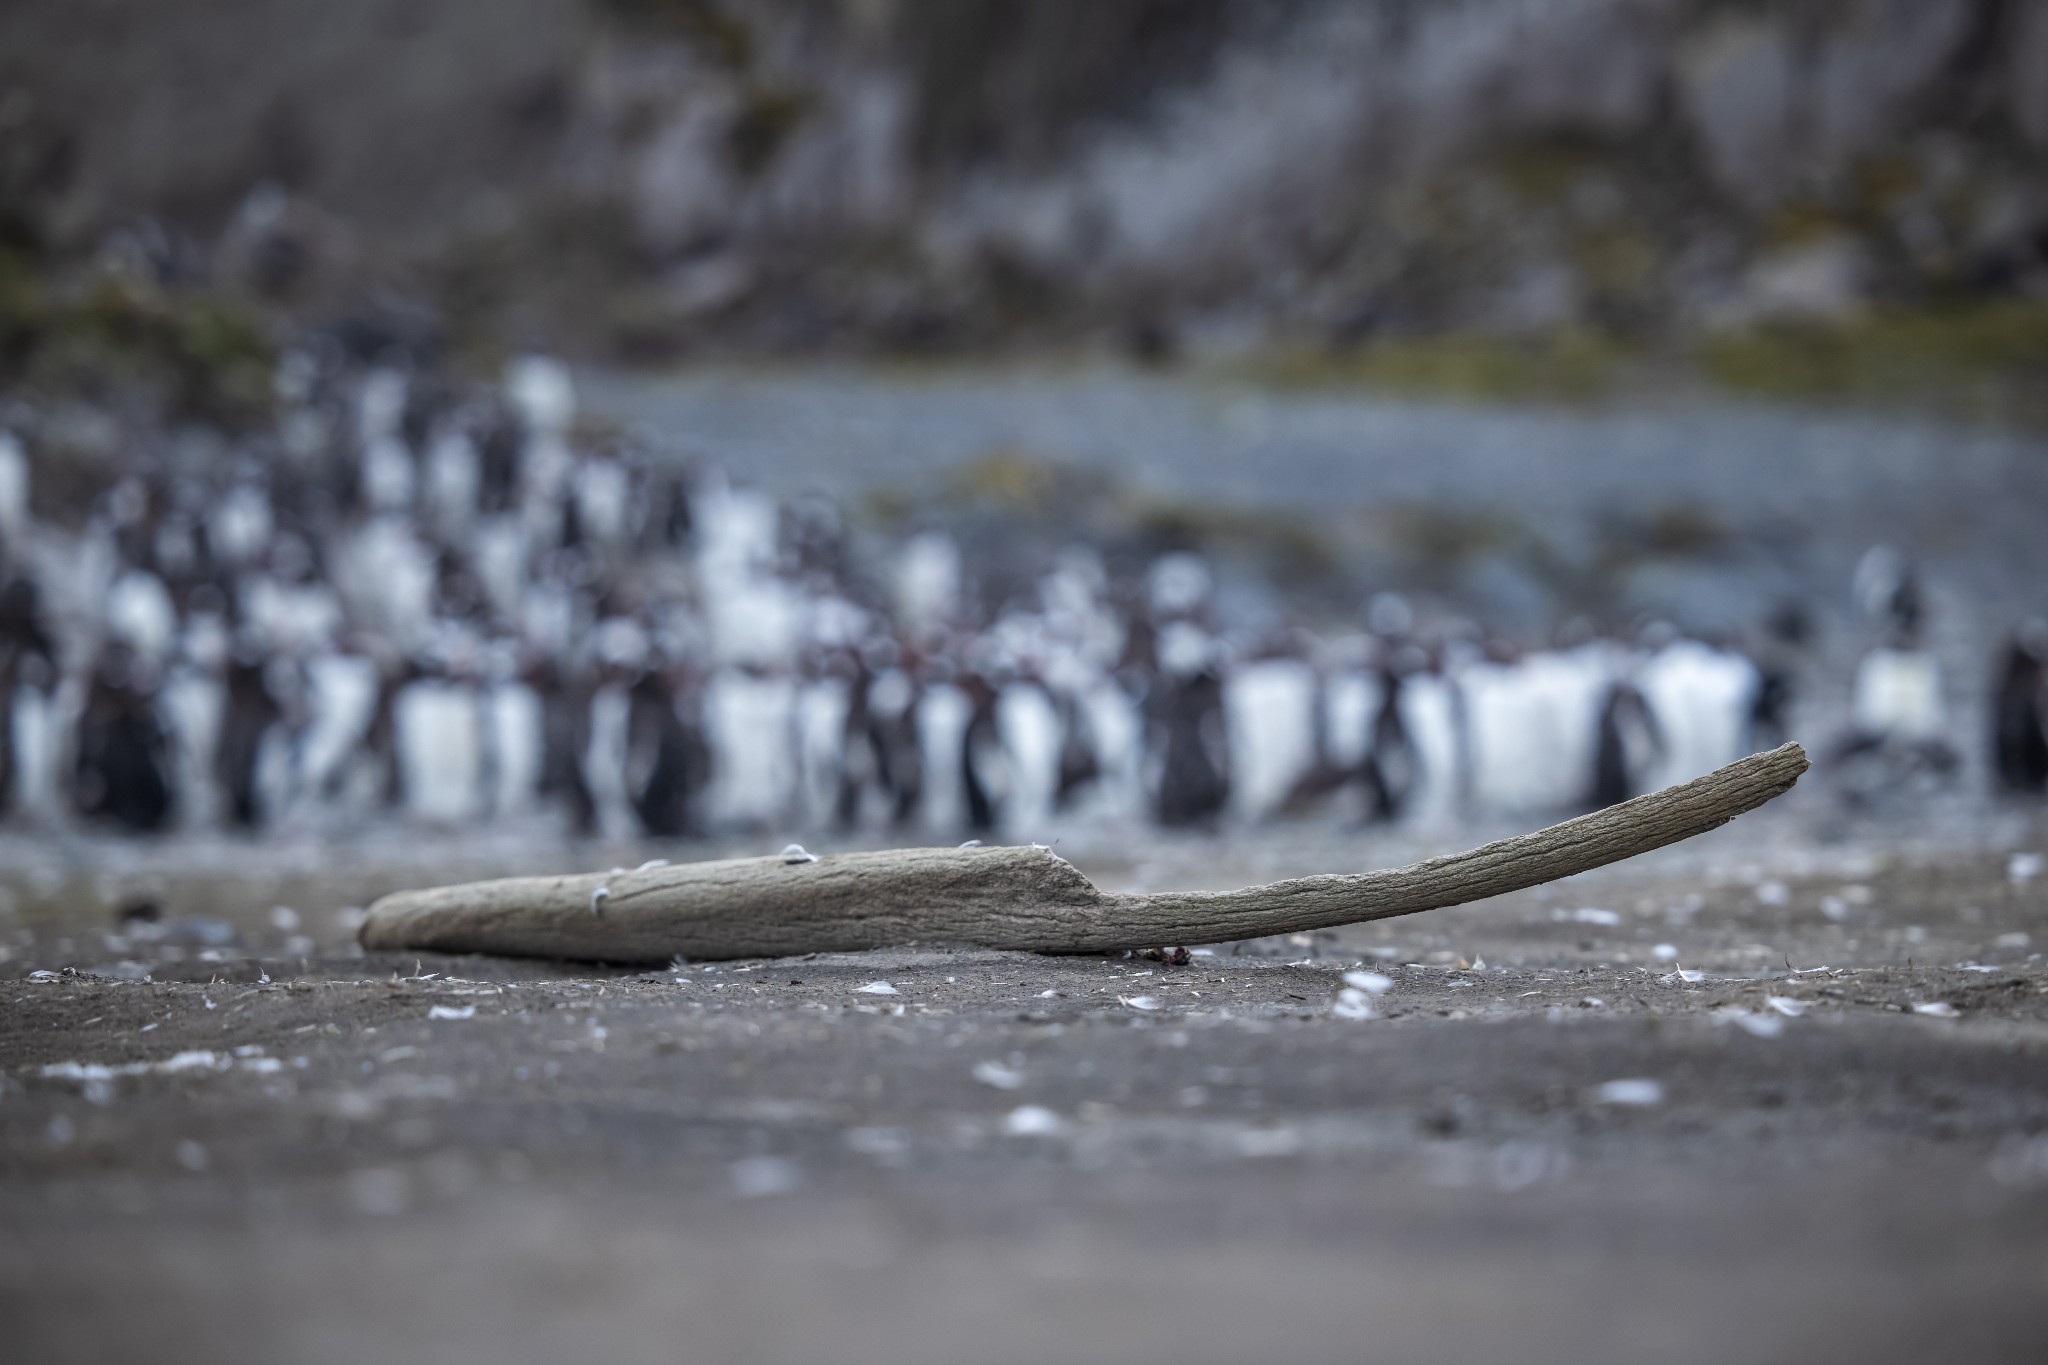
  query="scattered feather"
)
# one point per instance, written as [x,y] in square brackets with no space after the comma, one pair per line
[452,1012]
[1634,1092]
[875,988]
[1139,1002]
[1372,983]
[1786,1006]
[1937,1009]
[1755,1025]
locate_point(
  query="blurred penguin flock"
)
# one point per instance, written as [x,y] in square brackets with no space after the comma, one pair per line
[448,604]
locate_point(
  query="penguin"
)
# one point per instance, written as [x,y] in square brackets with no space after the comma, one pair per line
[1081,761]
[940,718]
[1394,762]
[1192,742]
[667,762]
[984,772]
[248,713]
[28,665]
[438,726]
[880,749]
[122,769]
[14,494]
[750,724]
[1785,637]
[564,738]
[1703,698]
[1630,744]
[1028,725]
[2019,711]
[1531,723]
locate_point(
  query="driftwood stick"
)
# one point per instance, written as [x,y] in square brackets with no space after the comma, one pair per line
[1028,899]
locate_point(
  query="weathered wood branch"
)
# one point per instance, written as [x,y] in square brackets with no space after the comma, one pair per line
[1028,898]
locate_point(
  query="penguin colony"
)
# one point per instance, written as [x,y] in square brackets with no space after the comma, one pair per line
[456,607]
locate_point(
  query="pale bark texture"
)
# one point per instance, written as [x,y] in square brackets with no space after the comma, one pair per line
[1027,899]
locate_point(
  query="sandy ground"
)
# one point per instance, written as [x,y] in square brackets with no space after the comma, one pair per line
[1771,1095]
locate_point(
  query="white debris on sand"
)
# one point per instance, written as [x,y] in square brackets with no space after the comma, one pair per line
[1353,1003]
[1032,1120]
[1267,1142]
[754,1177]
[452,1012]
[1935,1009]
[1139,1002]
[2022,868]
[381,1190]
[1785,1005]
[2021,1161]
[997,1075]
[89,1072]
[875,988]
[1633,1092]
[887,1145]
[1372,983]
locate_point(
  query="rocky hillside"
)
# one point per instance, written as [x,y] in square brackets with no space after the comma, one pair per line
[645,179]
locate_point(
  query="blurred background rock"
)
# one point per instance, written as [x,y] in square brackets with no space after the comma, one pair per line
[1493,196]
